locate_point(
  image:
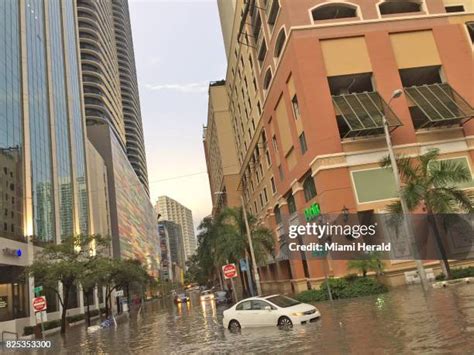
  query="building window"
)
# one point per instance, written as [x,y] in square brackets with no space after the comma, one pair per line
[273,13]
[275,144]
[304,147]
[267,156]
[390,7]
[272,181]
[255,205]
[262,52]
[296,107]
[267,79]
[291,204]
[334,11]
[277,213]
[309,188]
[455,8]
[261,200]
[280,42]
[265,195]
[280,171]
[259,109]
[470,29]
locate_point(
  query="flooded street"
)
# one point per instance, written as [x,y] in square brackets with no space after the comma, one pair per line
[402,321]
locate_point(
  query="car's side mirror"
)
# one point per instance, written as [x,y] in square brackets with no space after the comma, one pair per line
[268,308]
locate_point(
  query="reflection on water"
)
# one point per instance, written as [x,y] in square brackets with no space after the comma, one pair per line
[402,321]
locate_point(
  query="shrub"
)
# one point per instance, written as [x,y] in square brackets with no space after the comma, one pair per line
[47,326]
[312,296]
[52,324]
[342,288]
[463,272]
[350,277]
[28,330]
[458,273]
[94,313]
[76,318]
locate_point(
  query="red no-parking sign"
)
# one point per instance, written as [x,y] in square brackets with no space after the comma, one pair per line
[39,304]
[229,271]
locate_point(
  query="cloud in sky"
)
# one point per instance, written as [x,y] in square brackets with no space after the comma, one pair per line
[200,87]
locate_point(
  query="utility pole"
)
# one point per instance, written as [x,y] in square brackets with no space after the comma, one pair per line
[406,212]
[252,254]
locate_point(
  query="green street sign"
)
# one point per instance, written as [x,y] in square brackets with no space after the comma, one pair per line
[312,212]
[38,289]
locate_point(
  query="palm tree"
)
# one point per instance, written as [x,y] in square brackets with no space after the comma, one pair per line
[432,183]
[370,262]
[232,236]
[206,251]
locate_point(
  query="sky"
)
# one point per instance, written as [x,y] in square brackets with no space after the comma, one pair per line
[178,51]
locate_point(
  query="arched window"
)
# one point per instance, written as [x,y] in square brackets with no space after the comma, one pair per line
[267,79]
[277,213]
[389,7]
[280,42]
[334,11]
[309,188]
[291,204]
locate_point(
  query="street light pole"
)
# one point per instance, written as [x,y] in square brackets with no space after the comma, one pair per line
[407,223]
[252,254]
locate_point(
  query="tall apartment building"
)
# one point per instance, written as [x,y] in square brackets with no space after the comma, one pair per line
[220,150]
[171,210]
[172,251]
[43,177]
[109,76]
[129,87]
[308,82]
[114,126]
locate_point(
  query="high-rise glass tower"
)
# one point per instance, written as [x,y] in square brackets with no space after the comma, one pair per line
[109,76]
[43,177]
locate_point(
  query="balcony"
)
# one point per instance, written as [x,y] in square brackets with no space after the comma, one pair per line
[437,105]
[360,114]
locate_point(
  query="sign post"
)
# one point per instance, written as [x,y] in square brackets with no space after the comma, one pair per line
[40,306]
[230,271]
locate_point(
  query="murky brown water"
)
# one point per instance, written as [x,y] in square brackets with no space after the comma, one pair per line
[402,321]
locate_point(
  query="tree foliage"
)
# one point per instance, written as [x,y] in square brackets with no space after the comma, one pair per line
[224,239]
[433,184]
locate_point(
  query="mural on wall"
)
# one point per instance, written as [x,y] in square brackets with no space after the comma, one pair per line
[136,217]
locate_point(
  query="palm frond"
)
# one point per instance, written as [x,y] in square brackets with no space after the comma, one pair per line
[427,158]
[448,172]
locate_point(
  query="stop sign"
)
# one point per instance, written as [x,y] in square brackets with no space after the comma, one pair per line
[230,271]
[39,304]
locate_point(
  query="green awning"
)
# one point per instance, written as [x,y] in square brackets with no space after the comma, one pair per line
[360,114]
[437,105]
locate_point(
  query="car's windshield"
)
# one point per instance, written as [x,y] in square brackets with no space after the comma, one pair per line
[283,301]
[205,292]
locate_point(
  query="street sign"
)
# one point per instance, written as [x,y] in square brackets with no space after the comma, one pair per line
[243,265]
[39,304]
[37,290]
[230,271]
[119,293]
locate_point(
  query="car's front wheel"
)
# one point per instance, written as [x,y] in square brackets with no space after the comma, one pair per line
[234,325]
[285,322]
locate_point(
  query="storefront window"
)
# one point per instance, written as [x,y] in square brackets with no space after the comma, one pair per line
[13,294]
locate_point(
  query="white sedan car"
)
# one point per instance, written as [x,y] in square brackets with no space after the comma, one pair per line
[267,311]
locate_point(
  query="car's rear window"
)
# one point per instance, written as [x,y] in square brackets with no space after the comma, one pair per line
[283,301]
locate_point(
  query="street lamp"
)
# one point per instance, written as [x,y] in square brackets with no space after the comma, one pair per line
[252,253]
[411,238]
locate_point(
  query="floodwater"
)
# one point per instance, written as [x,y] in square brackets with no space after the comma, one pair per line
[401,321]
